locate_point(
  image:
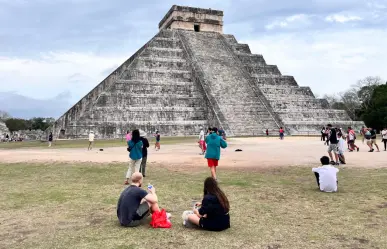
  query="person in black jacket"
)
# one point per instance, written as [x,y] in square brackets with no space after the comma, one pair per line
[213,212]
[145,146]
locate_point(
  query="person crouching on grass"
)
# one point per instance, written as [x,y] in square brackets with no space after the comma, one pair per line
[214,143]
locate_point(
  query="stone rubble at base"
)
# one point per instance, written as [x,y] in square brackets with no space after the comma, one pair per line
[182,80]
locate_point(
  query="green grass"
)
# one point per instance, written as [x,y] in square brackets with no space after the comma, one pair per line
[59,205]
[84,143]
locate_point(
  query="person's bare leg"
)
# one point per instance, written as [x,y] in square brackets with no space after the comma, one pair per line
[152,207]
[337,158]
[213,172]
[330,155]
[377,147]
[193,218]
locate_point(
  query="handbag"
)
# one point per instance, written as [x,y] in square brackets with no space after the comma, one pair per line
[159,220]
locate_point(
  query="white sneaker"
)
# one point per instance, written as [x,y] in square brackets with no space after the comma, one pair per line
[169,215]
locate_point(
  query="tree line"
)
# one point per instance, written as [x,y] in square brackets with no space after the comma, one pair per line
[18,124]
[364,101]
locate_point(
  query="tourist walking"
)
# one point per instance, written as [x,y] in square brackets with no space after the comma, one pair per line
[157,144]
[145,146]
[384,138]
[135,154]
[91,140]
[323,134]
[202,143]
[341,148]
[212,213]
[281,133]
[332,139]
[50,137]
[363,132]
[351,140]
[267,132]
[214,143]
[373,140]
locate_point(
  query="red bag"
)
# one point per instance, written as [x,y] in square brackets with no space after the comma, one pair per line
[159,220]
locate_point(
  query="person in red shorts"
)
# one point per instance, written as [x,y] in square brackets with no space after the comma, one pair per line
[214,143]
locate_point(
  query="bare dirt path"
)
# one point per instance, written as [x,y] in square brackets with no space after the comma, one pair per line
[257,153]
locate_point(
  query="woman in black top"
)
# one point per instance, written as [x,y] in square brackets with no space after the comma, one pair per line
[213,213]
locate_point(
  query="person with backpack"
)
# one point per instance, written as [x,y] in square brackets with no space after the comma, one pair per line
[214,143]
[135,154]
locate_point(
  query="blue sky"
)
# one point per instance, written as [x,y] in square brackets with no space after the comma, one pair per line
[52,52]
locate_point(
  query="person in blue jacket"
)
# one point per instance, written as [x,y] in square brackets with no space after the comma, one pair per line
[214,143]
[135,154]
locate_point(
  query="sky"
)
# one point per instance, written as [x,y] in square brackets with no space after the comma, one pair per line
[53,52]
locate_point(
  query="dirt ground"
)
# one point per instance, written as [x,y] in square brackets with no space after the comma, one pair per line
[256,153]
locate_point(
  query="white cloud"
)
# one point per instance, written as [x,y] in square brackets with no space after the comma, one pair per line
[301,18]
[342,18]
[329,61]
[55,72]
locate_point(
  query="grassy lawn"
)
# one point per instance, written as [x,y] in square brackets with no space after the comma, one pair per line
[73,206]
[85,143]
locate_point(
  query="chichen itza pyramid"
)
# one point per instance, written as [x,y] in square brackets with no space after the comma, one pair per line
[191,75]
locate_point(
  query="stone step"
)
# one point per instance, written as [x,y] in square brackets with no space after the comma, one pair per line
[230,38]
[165,43]
[255,70]
[140,88]
[281,80]
[252,59]
[289,97]
[160,100]
[277,89]
[156,52]
[167,64]
[241,48]
[155,75]
[294,104]
[121,84]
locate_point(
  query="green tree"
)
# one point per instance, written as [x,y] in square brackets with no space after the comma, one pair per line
[374,113]
[16,124]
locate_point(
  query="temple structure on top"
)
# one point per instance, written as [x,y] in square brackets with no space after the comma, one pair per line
[191,75]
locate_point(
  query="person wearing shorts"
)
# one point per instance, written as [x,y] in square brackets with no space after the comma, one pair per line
[351,140]
[157,144]
[373,140]
[202,143]
[214,143]
[333,141]
[135,204]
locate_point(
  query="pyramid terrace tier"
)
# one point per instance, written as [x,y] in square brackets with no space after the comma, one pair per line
[269,90]
[146,87]
[313,115]
[120,100]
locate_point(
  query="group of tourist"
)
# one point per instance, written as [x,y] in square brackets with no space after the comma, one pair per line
[135,204]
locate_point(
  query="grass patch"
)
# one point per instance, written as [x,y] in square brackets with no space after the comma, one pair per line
[74,206]
[84,143]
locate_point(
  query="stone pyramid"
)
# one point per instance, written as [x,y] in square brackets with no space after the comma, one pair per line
[191,75]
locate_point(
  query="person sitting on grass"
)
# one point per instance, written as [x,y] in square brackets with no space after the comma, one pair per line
[135,204]
[213,212]
[326,176]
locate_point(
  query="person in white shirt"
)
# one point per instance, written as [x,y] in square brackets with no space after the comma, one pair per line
[384,138]
[202,143]
[91,140]
[326,176]
[341,148]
